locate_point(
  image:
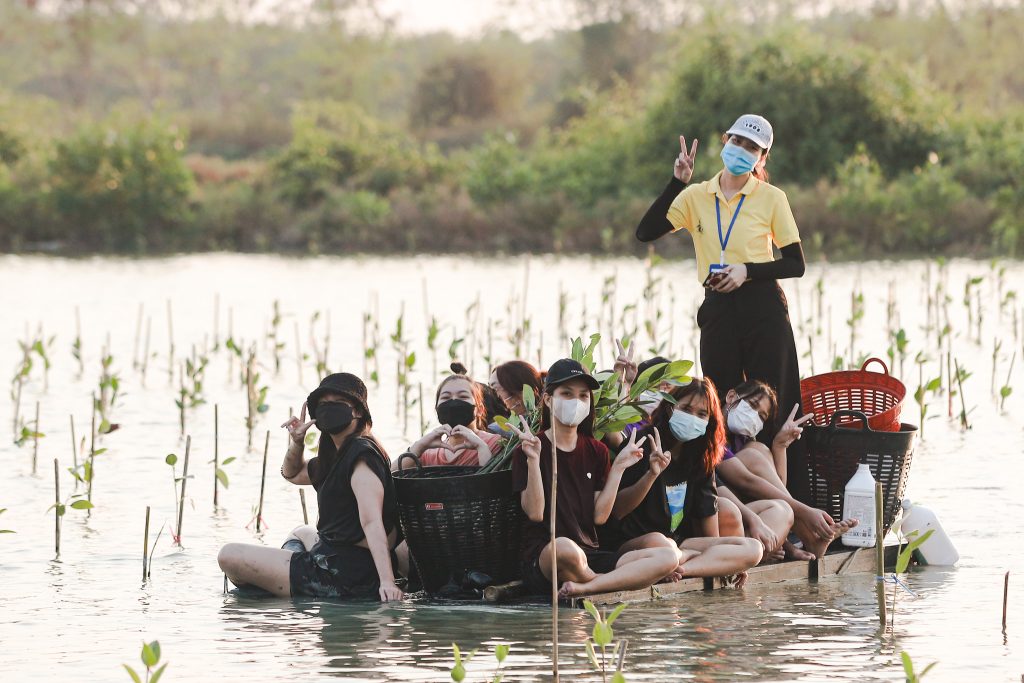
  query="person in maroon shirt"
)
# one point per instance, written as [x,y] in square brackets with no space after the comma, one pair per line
[587,485]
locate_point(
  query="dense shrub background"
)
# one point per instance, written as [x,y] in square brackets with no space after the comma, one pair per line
[156,134]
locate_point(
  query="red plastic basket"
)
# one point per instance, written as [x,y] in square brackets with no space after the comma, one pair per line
[877,395]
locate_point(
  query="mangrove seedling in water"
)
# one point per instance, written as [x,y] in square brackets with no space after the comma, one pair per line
[1006,389]
[908,669]
[932,385]
[5,531]
[255,397]
[458,672]
[150,658]
[602,637]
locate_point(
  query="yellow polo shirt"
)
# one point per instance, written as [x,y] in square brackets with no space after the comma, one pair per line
[765,218]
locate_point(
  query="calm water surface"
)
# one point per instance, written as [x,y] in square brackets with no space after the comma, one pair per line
[82,615]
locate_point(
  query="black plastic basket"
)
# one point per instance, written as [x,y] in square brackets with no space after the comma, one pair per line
[833,454]
[457,521]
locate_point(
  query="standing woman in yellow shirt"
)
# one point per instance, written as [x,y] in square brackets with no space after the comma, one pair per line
[734,219]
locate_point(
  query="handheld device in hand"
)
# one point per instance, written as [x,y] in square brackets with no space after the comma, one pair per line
[715,275]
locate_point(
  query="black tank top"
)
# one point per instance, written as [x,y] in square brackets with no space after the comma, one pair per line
[331,475]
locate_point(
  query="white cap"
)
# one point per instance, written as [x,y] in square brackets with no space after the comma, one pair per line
[755,128]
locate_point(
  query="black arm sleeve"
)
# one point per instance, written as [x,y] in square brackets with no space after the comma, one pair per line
[654,223]
[790,265]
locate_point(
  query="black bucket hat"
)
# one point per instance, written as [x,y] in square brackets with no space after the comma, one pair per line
[344,384]
[566,369]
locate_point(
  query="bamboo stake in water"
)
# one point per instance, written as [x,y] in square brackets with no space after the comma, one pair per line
[263,482]
[216,450]
[92,451]
[35,440]
[56,516]
[302,499]
[184,480]
[74,447]
[145,548]
[554,549]
[879,555]
[1006,593]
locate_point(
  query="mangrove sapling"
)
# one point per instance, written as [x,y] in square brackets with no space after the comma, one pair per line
[6,531]
[1006,389]
[898,343]
[602,636]
[856,315]
[150,657]
[458,672]
[923,388]
[914,541]
[908,669]
[255,396]
[184,480]
[109,388]
[76,501]
[961,375]
[433,331]
[273,337]
[263,483]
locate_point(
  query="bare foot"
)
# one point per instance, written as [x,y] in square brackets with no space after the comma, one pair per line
[773,557]
[569,590]
[818,547]
[794,553]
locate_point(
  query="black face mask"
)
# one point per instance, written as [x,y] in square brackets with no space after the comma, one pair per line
[455,411]
[333,418]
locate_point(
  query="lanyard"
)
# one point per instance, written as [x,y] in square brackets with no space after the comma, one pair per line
[718,216]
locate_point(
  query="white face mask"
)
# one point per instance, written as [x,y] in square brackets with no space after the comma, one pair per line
[570,412]
[744,420]
[649,400]
[687,427]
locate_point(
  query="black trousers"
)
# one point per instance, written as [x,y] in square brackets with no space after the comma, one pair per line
[746,335]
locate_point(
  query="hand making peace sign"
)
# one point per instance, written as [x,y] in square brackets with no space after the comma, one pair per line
[297,426]
[791,429]
[630,453]
[528,441]
[659,458]
[625,366]
[683,168]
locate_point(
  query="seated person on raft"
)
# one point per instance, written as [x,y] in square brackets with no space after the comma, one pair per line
[587,485]
[351,552]
[460,439]
[508,379]
[755,472]
[670,500]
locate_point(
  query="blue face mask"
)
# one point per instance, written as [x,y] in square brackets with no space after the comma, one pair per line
[738,160]
[686,427]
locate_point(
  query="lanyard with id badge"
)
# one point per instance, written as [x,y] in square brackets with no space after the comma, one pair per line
[715,274]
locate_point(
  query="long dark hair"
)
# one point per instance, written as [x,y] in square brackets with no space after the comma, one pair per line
[479,410]
[714,437]
[515,374]
[586,428]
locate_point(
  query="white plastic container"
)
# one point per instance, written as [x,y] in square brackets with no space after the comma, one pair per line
[938,550]
[859,504]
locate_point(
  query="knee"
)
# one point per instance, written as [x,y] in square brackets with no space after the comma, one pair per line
[229,558]
[785,509]
[667,558]
[569,554]
[656,540]
[752,550]
[757,451]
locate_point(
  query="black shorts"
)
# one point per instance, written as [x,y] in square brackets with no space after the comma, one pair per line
[345,571]
[599,561]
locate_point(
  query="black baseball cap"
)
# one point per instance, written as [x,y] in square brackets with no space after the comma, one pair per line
[563,370]
[344,384]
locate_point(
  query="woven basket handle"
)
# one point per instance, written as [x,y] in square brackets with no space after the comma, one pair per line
[849,413]
[407,454]
[869,361]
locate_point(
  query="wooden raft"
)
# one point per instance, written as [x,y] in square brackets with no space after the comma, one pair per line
[841,563]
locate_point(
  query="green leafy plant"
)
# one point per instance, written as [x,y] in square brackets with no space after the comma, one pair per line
[458,671]
[109,390]
[172,460]
[221,475]
[150,658]
[602,637]
[908,668]
[1006,389]
[6,531]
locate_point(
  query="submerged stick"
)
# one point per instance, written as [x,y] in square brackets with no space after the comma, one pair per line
[216,450]
[56,518]
[1006,592]
[302,499]
[263,482]
[879,555]
[145,548]
[35,440]
[184,480]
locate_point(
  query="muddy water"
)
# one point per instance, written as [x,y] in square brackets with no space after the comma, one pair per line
[86,613]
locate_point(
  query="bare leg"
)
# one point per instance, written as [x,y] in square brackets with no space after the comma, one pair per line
[651,540]
[730,521]
[402,553]
[778,517]
[572,562]
[718,556]
[758,459]
[635,569]
[257,565]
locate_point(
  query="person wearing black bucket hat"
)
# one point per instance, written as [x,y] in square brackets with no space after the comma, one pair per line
[351,553]
[587,484]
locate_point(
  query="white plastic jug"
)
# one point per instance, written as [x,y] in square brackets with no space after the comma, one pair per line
[938,550]
[859,503]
